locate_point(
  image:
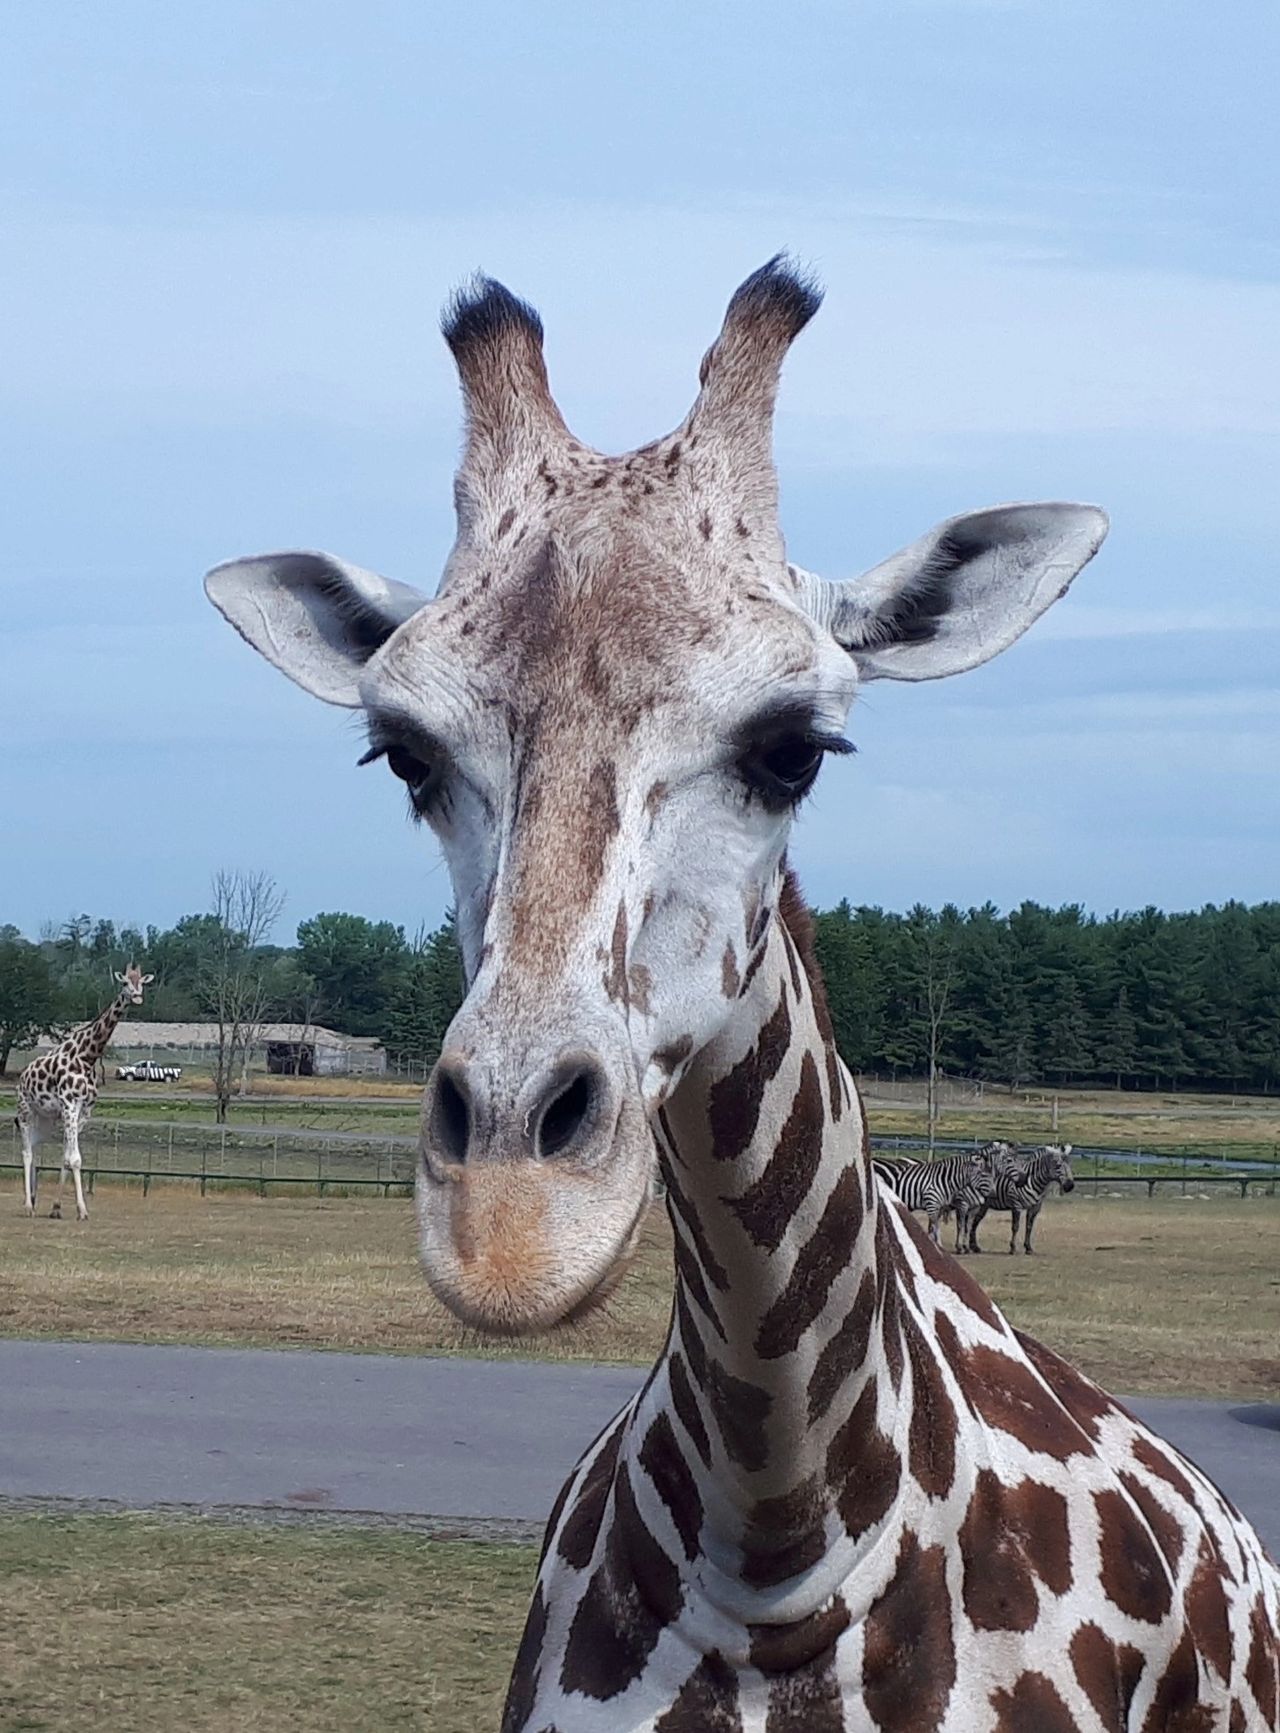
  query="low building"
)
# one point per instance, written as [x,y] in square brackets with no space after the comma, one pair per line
[289,1049]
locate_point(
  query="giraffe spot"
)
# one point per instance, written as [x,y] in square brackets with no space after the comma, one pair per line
[793,963]
[783,1648]
[1108,1673]
[708,1701]
[753,963]
[798,922]
[1032,1706]
[909,1658]
[640,988]
[767,1208]
[685,1404]
[739,1409]
[931,1438]
[615,982]
[843,1353]
[863,1467]
[734,1105]
[655,798]
[664,1463]
[1010,1536]
[704,526]
[824,1255]
[1237,1724]
[1176,1705]
[741,527]
[632,1596]
[674,1054]
[689,1271]
[889,1302]
[1006,1394]
[523,1688]
[729,978]
[1208,1613]
[506,520]
[1165,1527]
[784,1535]
[808,1700]
[1264,1656]
[1080,1396]
[577,1540]
[692,1223]
[1132,1573]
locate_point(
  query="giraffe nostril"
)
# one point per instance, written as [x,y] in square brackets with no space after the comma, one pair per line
[565,1116]
[451,1117]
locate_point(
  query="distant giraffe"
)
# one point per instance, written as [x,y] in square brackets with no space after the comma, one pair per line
[61,1086]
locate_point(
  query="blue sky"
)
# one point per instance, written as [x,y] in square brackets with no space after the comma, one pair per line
[1052,263]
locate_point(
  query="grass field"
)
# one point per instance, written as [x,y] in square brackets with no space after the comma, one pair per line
[1171,1295]
[129,1622]
[1126,1119]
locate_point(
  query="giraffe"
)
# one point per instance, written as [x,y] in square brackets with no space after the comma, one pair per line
[849,1495]
[62,1086]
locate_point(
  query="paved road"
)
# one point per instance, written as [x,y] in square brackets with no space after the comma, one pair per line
[390,1436]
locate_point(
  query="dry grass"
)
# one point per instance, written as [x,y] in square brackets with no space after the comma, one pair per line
[132,1623]
[1169,1295]
[1124,1119]
[234,1269]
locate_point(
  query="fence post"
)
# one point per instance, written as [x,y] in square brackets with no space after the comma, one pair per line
[204,1168]
[319,1173]
[170,1146]
[223,1149]
[1184,1170]
[262,1184]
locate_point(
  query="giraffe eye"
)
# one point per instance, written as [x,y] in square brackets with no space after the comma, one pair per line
[420,776]
[411,769]
[782,770]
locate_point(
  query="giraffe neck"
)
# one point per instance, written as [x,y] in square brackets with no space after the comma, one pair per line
[775,1368]
[92,1039]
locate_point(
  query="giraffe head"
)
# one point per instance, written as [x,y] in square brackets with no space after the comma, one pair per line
[132,982]
[608,716]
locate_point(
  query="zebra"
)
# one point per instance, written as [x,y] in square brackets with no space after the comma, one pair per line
[974,1200]
[937,1186]
[1021,1179]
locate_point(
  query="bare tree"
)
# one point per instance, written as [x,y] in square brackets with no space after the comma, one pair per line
[935,938]
[235,980]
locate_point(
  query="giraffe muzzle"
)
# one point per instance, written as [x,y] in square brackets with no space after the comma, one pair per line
[534,1181]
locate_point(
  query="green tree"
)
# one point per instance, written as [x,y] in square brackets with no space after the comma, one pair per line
[1117,1047]
[426,999]
[356,965]
[28,997]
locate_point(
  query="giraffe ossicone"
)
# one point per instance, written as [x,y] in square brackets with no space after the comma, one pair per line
[849,1496]
[57,1091]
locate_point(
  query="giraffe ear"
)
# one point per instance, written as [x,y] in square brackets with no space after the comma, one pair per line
[312,616]
[147,978]
[118,976]
[959,595]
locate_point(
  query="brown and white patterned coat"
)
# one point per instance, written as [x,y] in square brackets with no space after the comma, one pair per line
[58,1090]
[849,1495]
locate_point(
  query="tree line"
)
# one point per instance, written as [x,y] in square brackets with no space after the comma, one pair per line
[1033,996]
